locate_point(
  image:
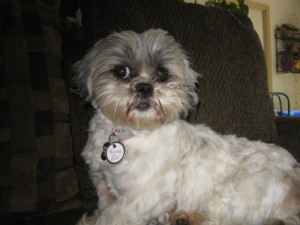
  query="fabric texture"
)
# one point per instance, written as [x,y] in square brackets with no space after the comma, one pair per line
[37,173]
[289,134]
[69,217]
[222,46]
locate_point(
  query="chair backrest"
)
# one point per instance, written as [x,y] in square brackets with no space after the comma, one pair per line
[223,47]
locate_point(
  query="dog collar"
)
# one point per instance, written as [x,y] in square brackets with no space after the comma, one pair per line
[113,150]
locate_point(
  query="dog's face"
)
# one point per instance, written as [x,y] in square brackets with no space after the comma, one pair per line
[141,80]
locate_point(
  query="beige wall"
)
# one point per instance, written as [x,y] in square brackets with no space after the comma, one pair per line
[281,11]
[287,11]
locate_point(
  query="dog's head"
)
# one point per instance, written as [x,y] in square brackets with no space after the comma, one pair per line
[141,80]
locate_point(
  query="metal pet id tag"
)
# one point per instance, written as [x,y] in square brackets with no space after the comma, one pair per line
[113,150]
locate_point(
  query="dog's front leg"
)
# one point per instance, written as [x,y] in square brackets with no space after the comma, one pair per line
[118,214]
[105,196]
[137,207]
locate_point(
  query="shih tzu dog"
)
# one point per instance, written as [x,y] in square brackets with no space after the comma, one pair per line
[149,166]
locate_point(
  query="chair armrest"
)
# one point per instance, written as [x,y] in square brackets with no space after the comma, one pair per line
[288,129]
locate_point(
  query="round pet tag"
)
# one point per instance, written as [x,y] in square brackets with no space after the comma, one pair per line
[115,152]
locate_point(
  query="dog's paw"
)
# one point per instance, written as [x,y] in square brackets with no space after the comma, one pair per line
[162,219]
[184,218]
[88,219]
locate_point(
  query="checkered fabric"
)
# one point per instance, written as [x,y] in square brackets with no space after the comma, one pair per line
[37,172]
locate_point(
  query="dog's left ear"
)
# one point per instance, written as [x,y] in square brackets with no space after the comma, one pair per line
[192,77]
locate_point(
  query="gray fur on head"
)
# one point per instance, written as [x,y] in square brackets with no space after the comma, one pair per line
[142,54]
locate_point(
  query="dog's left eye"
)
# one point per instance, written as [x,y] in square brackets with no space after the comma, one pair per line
[162,74]
[122,72]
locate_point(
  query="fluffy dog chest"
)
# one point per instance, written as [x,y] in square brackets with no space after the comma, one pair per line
[168,157]
[147,155]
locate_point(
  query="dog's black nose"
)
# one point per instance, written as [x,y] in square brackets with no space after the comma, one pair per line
[144,89]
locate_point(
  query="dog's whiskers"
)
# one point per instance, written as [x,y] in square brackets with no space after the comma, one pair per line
[161,109]
[117,104]
[129,107]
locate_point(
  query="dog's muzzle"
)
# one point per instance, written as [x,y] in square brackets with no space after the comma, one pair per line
[144,92]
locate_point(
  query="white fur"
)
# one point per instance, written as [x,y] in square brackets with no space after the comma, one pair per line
[191,168]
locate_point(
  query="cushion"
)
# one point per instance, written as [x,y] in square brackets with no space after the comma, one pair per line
[37,173]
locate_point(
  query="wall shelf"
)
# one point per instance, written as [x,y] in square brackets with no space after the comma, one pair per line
[287,50]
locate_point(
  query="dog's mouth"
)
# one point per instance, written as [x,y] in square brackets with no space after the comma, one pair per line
[143,106]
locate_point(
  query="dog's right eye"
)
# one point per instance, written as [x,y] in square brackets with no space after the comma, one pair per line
[122,72]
